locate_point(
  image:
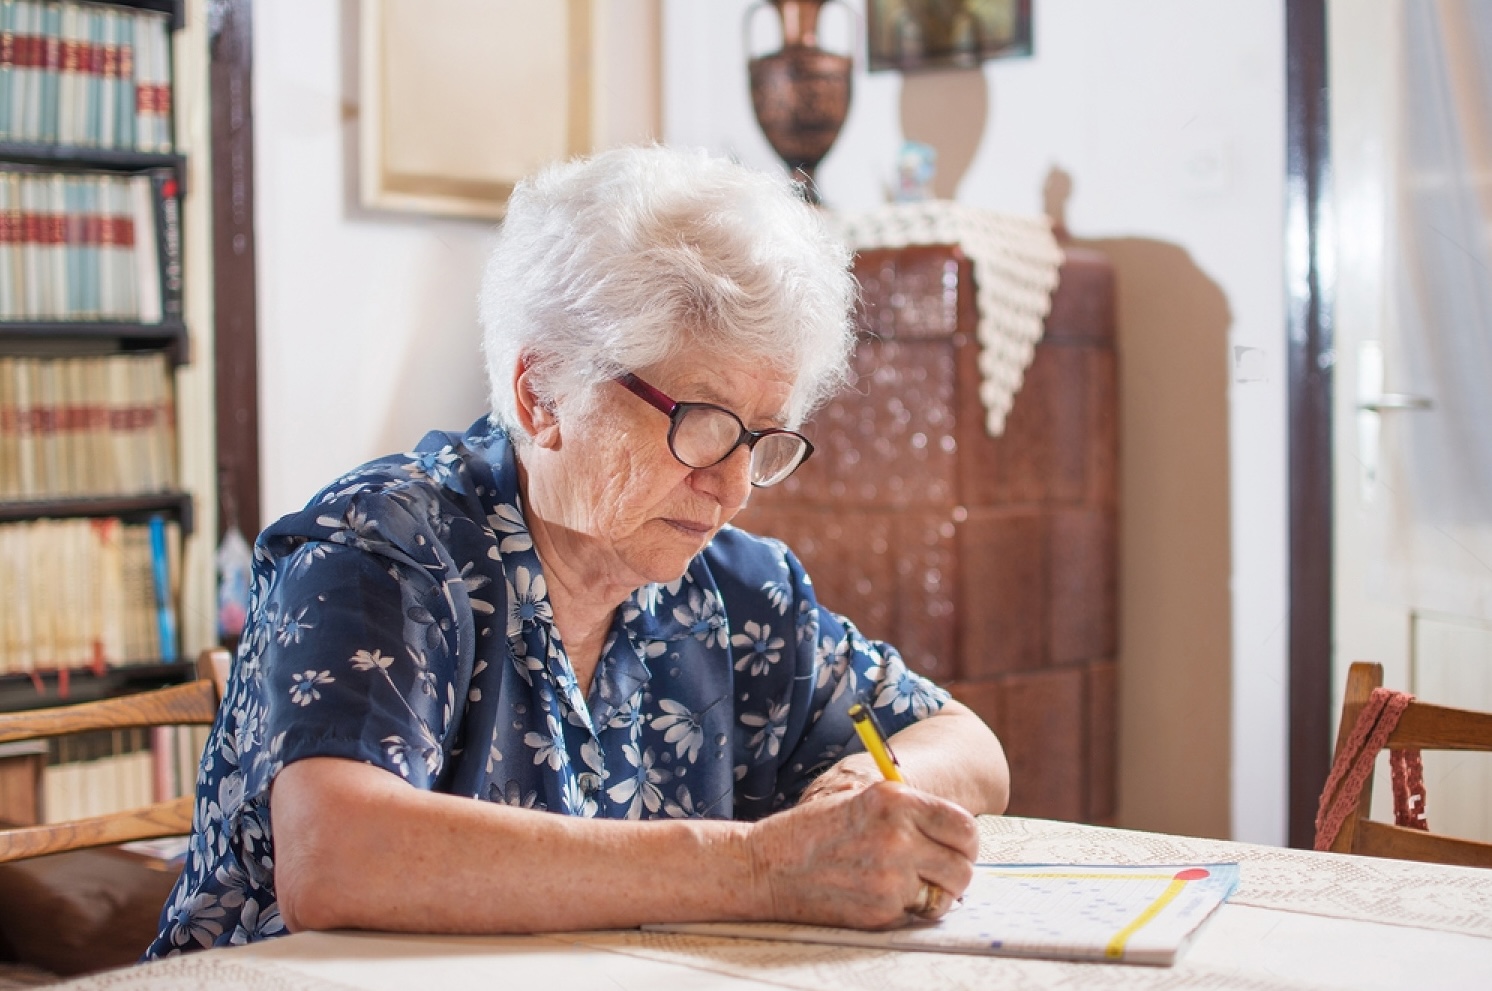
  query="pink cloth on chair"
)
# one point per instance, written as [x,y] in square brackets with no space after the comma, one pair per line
[1354,766]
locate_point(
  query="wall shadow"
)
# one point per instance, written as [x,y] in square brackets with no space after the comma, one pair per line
[1175,608]
[946,110]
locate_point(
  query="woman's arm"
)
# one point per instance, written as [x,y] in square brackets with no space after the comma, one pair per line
[951,754]
[356,847]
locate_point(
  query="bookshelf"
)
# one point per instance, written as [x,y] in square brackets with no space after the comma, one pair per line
[102,394]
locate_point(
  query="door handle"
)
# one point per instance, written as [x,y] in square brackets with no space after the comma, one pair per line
[1396,400]
[1372,403]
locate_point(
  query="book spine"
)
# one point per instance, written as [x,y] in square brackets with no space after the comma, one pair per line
[108,107]
[168,241]
[51,67]
[124,111]
[7,64]
[165,609]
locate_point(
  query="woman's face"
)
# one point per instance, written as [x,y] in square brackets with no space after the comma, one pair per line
[616,503]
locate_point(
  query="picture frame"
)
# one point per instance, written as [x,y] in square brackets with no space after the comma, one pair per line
[456,108]
[914,35]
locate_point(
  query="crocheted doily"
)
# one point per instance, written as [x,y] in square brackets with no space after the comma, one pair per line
[1015,260]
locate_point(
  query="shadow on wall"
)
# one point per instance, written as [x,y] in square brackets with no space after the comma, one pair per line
[1175,566]
[946,110]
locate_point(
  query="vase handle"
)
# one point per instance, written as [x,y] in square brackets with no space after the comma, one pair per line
[759,4]
[746,27]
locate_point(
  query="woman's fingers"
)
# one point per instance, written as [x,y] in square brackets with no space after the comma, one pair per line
[862,859]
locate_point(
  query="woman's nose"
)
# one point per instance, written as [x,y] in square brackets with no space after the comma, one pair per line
[729,482]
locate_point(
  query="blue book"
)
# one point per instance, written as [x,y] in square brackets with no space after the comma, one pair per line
[51,40]
[124,113]
[160,566]
[7,63]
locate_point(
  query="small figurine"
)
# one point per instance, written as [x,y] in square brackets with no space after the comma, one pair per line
[915,165]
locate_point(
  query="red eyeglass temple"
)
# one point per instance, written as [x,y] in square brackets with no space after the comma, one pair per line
[647,393]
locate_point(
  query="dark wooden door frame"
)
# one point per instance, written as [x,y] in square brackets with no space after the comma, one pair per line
[1310,299]
[230,68]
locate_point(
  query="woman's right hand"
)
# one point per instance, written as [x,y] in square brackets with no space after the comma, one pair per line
[860,858]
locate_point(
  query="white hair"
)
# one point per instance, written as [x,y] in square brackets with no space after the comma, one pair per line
[634,256]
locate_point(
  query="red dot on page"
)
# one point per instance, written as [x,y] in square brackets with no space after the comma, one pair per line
[1191,874]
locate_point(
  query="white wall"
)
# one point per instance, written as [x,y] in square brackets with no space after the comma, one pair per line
[1169,116]
[367,320]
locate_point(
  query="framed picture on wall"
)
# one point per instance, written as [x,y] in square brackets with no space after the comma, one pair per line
[461,99]
[907,35]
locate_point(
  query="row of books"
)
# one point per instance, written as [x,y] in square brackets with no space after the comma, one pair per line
[88,593]
[88,246]
[87,75]
[86,425]
[92,774]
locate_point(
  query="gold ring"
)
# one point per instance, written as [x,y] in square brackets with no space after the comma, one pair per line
[928,897]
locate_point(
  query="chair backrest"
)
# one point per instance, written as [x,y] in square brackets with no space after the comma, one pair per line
[192,704]
[1421,726]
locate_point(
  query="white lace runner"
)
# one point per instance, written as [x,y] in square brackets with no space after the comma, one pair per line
[1015,261]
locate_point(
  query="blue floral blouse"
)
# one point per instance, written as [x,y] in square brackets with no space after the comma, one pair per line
[401,619]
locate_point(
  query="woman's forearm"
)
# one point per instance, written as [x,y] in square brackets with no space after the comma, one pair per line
[952,755]
[355,847]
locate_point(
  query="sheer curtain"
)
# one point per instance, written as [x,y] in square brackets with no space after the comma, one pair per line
[1443,299]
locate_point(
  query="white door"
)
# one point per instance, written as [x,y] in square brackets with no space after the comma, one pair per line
[1413,377]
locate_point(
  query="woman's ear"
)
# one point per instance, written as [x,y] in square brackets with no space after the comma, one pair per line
[537,416]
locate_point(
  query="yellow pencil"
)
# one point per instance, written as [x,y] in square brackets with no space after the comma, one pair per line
[875,743]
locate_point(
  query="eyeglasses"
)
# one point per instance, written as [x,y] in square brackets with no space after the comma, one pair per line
[702,435]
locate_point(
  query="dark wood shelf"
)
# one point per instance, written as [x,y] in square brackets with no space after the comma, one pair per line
[132,508]
[176,8]
[19,691]
[55,156]
[117,335]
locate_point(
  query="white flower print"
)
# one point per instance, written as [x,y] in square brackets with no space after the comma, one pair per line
[354,524]
[308,554]
[761,648]
[304,691]
[292,628]
[642,789]
[902,690]
[512,793]
[577,800]
[198,920]
[438,466]
[702,614]
[681,728]
[367,660]
[779,594]
[528,601]
[548,749]
[767,739]
[808,621]
[681,806]
[508,521]
[475,583]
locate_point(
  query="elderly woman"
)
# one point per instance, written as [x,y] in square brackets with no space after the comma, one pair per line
[528,678]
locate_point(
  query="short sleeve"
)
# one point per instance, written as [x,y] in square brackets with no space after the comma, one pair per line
[359,661]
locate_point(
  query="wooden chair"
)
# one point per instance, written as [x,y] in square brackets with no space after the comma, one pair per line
[1421,726]
[192,704]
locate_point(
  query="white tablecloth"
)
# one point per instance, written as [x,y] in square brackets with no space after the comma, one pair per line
[1300,921]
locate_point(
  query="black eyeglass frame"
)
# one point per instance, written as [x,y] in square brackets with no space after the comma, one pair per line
[675,411]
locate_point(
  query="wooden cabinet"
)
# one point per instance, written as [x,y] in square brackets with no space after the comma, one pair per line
[989,561]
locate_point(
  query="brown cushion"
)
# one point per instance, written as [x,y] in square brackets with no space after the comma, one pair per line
[72,913]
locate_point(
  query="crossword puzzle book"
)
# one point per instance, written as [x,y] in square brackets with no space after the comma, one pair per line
[1143,915]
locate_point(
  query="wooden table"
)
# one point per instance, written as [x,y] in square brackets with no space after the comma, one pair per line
[1299,921]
